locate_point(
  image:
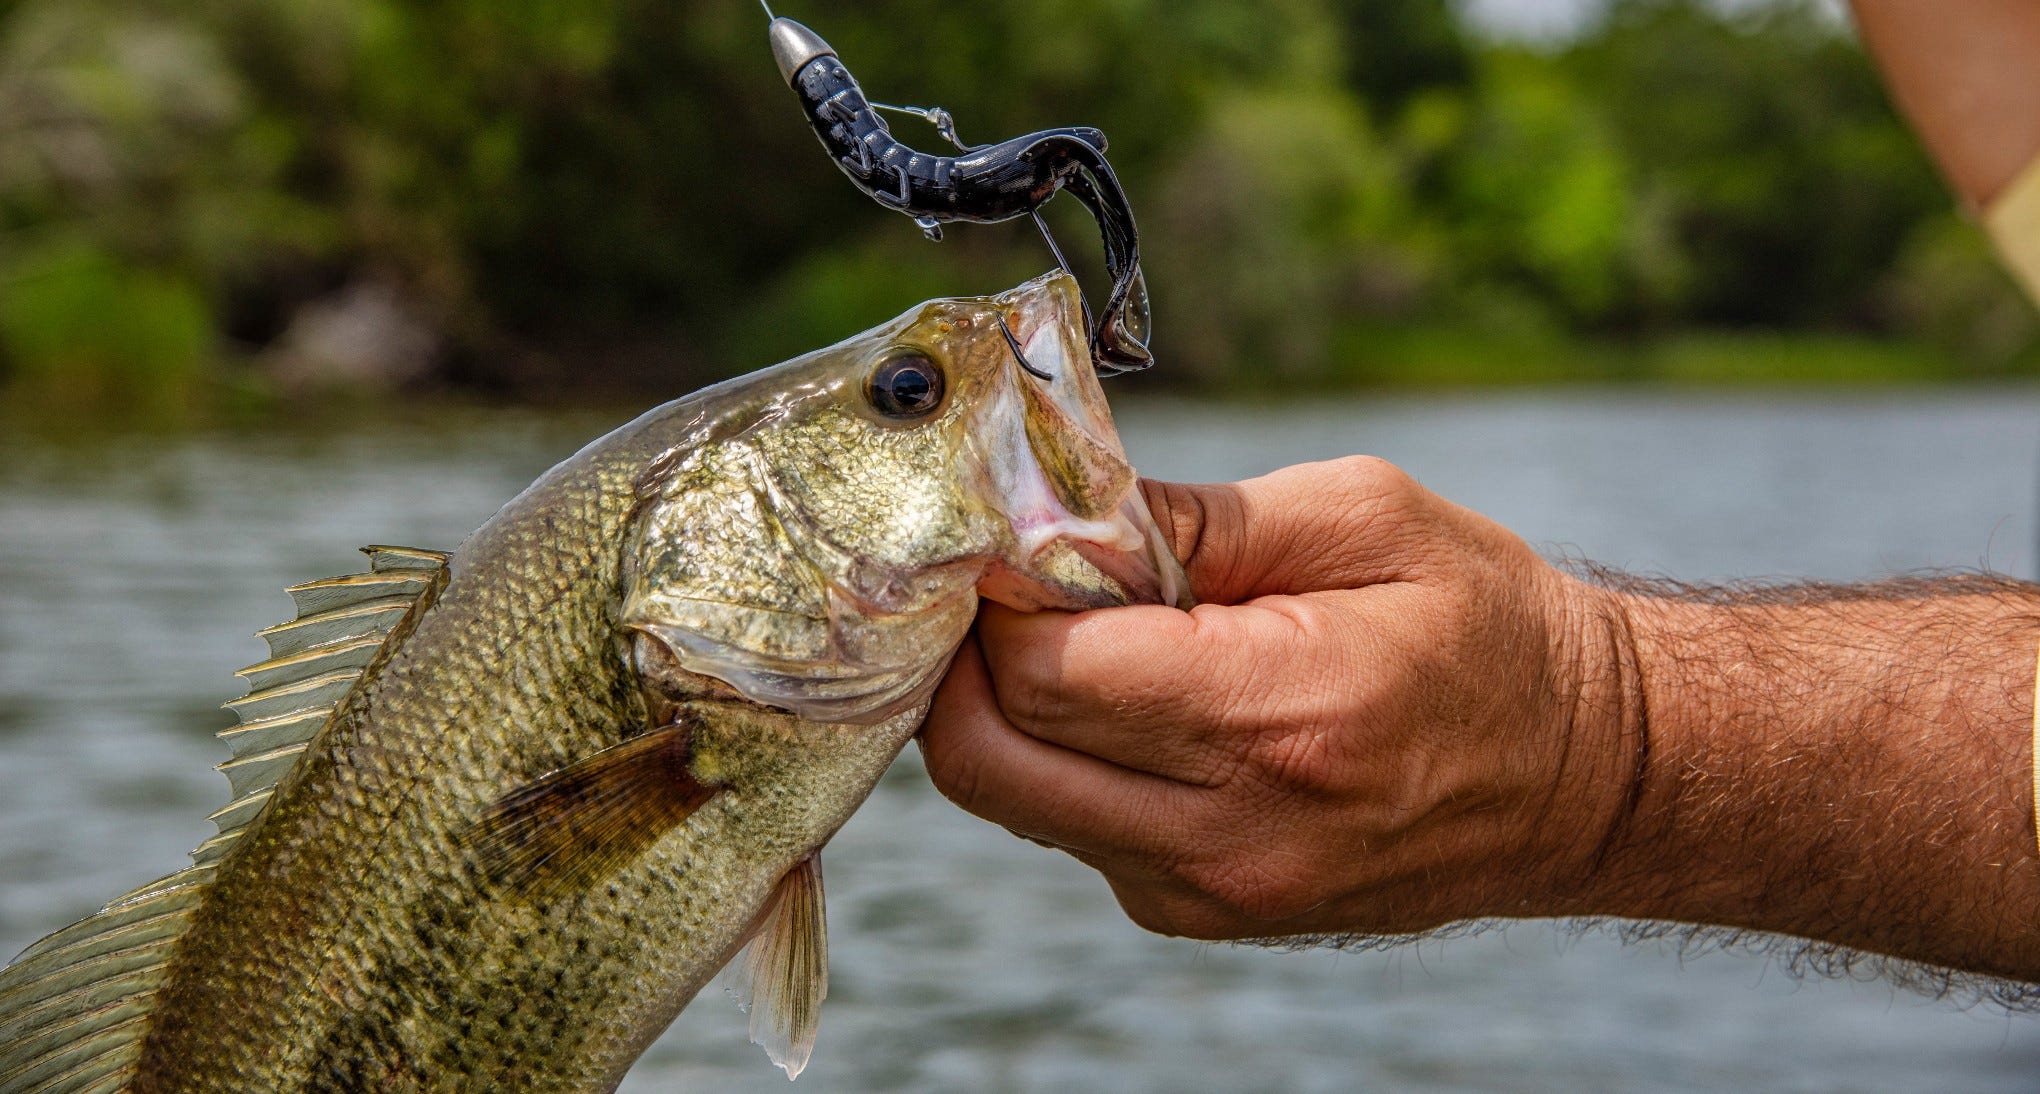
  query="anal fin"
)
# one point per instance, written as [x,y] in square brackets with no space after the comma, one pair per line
[782,975]
[591,817]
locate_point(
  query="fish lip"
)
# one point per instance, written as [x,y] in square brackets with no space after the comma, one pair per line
[1149,574]
[1057,289]
[1117,537]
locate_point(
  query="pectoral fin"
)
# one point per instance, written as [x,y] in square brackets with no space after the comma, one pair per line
[782,974]
[587,819]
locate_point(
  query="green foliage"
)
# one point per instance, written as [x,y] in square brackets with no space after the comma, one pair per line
[1396,50]
[85,326]
[1946,284]
[1543,195]
[1766,146]
[1284,192]
[569,190]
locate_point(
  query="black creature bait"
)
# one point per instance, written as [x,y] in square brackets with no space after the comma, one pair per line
[982,183]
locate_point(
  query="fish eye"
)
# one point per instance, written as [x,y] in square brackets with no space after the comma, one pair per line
[905,385]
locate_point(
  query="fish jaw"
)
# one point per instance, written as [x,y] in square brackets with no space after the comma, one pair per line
[1082,536]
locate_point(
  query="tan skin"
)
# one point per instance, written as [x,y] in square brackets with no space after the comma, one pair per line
[1391,714]
[1963,74]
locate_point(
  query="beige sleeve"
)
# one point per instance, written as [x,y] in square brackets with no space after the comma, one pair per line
[2013,221]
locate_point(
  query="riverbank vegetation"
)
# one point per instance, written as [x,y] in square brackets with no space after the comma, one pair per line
[209,200]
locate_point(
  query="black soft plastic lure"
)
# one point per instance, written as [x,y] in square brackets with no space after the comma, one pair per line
[985,183]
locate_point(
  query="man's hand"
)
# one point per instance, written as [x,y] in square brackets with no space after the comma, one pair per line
[1388,714]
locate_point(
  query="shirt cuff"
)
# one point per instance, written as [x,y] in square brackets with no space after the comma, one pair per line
[2013,221]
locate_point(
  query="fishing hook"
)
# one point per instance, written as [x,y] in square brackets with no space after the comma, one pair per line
[1014,344]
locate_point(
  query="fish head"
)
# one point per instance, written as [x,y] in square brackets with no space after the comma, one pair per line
[819,541]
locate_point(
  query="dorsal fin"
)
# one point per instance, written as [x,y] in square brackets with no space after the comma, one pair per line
[74,1006]
[315,660]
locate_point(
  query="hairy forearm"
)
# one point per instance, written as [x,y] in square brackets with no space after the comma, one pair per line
[1964,74]
[1852,765]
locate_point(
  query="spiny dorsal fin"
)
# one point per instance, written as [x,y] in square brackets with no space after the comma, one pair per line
[74,1006]
[315,660]
[382,558]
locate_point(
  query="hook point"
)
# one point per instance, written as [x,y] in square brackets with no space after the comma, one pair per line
[1013,343]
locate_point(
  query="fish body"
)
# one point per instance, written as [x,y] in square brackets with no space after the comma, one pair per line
[572,768]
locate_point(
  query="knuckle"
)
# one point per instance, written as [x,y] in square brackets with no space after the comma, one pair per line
[1208,925]
[1028,696]
[1356,484]
[1192,758]
[1147,913]
[1390,506]
[1373,476]
[1361,507]
[1288,738]
[958,772]
[1292,760]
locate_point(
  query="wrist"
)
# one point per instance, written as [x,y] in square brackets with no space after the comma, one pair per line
[1605,727]
[1851,765]
[1694,707]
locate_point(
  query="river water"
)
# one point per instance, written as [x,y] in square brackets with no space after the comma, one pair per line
[132,570]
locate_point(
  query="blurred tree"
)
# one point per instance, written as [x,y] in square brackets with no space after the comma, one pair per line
[1264,225]
[1542,197]
[1765,142]
[1947,285]
[1398,49]
[577,194]
[88,328]
[125,191]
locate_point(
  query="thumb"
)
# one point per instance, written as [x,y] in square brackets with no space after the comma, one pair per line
[1337,525]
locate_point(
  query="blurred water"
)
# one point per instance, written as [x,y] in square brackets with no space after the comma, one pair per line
[132,569]
[1548,21]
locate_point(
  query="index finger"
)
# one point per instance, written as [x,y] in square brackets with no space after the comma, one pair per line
[1185,695]
[982,763]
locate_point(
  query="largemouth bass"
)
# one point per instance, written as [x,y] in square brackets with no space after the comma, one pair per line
[499,813]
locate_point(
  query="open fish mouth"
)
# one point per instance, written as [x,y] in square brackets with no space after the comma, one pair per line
[1082,533]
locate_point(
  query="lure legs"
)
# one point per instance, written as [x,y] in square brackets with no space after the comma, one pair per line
[942,120]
